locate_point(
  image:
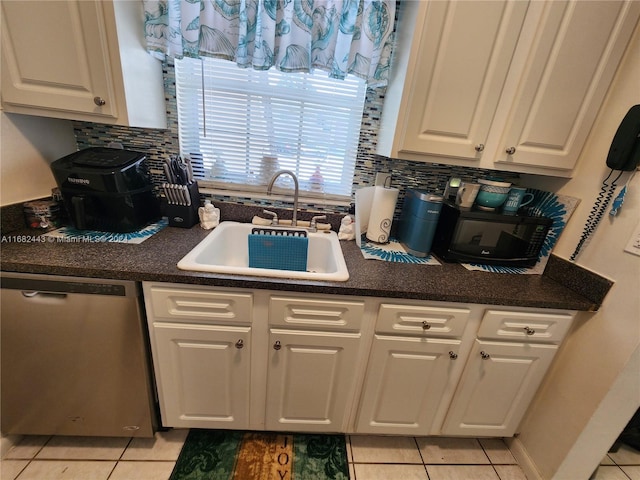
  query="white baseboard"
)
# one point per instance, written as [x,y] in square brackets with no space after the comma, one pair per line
[522,457]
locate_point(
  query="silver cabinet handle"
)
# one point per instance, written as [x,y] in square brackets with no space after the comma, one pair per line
[453,355]
[277,345]
[510,150]
[425,326]
[479,147]
[99,101]
[484,355]
[240,344]
[529,331]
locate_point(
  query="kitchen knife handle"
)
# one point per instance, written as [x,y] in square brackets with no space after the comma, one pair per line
[187,195]
[187,161]
[167,172]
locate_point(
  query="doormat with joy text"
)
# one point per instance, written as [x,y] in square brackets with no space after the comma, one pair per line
[237,455]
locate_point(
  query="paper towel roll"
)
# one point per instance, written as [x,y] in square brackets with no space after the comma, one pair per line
[382,207]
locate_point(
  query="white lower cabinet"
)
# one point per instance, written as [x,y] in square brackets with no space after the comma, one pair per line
[496,388]
[283,361]
[205,373]
[201,346]
[508,361]
[414,359]
[310,380]
[405,382]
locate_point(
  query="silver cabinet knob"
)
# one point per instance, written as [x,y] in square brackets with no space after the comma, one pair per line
[99,101]
[510,150]
[425,326]
[277,345]
[484,355]
[529,331]
[479,147]
[453,355]
[240,344]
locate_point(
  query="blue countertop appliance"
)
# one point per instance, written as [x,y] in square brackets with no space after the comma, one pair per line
[418,221]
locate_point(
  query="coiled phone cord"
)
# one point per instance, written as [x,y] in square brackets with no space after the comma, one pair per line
[597,211]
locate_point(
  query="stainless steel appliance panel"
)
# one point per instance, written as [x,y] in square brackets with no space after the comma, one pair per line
[74,358]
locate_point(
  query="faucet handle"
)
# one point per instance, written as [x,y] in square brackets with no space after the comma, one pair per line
[274,215]
[313,225]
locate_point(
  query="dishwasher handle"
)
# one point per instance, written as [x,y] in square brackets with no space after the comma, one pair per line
[35,293]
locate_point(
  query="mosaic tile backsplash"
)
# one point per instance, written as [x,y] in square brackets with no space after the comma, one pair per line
[159,144]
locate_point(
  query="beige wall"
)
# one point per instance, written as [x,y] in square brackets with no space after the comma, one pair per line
[581,408]
[29,144]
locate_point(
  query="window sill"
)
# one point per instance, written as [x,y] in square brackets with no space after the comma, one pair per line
[285,195]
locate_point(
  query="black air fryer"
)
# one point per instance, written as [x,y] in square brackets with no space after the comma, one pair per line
[107,189]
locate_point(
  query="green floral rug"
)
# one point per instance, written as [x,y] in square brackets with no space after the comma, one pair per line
[237,455]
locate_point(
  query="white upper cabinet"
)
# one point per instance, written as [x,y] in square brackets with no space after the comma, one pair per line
[80,60]
[460,56]
[475,79]
[567,68]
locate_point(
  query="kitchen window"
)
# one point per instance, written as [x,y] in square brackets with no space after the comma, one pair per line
[238,119]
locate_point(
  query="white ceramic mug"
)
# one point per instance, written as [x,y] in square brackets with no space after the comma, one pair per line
[467,193]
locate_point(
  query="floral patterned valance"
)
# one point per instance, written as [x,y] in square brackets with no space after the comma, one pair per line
[340,36]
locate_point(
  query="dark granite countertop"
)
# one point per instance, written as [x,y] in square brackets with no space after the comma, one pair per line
[155,260]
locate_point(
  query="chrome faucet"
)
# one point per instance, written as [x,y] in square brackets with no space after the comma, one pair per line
[294,221]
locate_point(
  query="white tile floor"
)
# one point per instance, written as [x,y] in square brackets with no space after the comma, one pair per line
[434,458]
[370,458]
[621,465]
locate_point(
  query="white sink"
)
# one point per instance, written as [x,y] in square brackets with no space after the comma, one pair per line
[226,250]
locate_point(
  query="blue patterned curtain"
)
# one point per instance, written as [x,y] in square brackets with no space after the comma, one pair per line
[340,36]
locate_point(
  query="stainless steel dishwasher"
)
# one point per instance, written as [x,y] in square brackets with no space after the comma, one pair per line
[74,357]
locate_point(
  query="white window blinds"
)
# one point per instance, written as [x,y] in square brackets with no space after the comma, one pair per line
[236,117]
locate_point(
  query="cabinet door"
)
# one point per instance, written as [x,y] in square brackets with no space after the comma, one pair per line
[406,380]
[463,54]
[310,380]
[567,69]
[55,56]
[202,373]
[497,385]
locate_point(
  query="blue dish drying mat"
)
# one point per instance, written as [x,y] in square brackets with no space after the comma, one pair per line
[278,249]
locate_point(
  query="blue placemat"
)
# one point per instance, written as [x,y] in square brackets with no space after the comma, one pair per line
[392,252]
[70,234]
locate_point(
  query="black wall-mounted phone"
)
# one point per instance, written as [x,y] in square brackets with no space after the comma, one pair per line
[624,153]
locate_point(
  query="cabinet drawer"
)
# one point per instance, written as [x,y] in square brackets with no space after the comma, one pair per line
[204,305]
[525,326]
[325,314]
[421,320]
